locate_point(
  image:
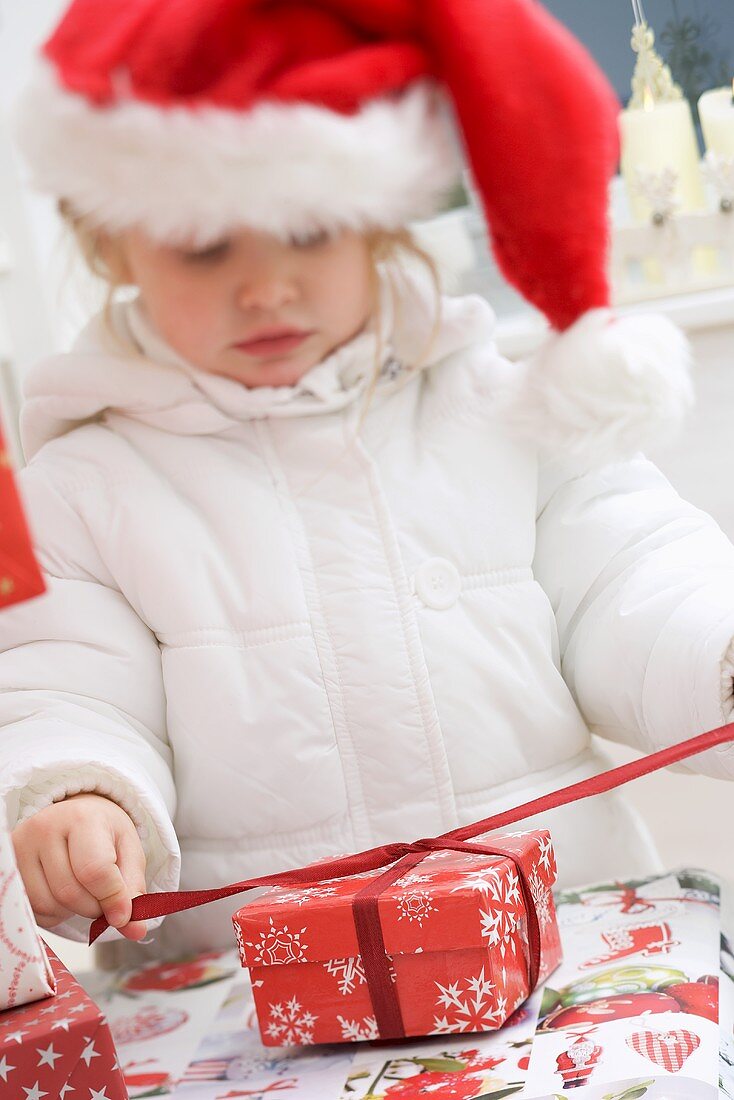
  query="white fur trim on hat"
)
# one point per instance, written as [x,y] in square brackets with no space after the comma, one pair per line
[607,387]
[194,174]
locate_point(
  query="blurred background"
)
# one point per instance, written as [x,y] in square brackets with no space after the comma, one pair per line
[45,297]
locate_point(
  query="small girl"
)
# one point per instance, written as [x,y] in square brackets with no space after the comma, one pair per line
[325,571]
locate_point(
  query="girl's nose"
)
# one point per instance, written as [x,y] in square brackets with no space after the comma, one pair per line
[266,293]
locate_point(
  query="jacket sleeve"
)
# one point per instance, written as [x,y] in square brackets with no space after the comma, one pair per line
[642,586]
[82,705]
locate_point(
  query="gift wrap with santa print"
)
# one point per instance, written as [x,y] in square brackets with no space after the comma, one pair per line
[455,931]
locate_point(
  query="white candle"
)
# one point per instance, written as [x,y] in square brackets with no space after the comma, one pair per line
[657,137]
[717,121]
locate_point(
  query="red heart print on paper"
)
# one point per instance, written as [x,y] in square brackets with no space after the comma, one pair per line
[668,1049]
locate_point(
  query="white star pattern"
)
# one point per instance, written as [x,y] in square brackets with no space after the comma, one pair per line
[17,1036]
[48,1056]
[63,1023]
[89,1052]
[33,1052]
[34,1093]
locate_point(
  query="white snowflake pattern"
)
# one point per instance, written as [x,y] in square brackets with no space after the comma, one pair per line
[546,858]
[476,1007]
[500,918]
[541,896]
[483,880]
[240,940]
[359,1030]
[414,879]
[349,973]
[290,1024]
[282,896]
[416,906]
[278,945]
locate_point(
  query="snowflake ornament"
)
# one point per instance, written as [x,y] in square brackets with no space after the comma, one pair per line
[719,171]
[658,189]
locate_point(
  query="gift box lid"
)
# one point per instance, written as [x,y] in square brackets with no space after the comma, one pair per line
[448,901]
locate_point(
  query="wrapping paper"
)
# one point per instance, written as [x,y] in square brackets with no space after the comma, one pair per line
[633,1012]
[25,973]
[525,1059]
[455,932]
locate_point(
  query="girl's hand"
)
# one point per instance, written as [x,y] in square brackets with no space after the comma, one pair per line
[82,856]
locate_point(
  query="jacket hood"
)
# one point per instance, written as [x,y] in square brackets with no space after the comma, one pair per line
[125,368]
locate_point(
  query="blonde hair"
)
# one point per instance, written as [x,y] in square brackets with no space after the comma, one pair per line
[389,250]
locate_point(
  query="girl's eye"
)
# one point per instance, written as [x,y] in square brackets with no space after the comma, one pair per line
[216,251]
[309,240]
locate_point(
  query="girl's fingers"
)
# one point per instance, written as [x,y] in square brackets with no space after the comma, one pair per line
[131,862]
[93,863]
[63,882]
[46,909]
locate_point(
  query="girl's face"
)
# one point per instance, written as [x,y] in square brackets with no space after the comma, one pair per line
[252,307]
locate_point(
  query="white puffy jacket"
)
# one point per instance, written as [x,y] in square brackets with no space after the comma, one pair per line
[279,627]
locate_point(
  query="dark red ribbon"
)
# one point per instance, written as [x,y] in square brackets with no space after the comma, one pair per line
[404,856]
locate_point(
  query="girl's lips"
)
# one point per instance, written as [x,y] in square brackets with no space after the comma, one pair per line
[273,345]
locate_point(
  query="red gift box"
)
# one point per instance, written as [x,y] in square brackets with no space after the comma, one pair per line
[20,577]
[455,930]
[59,1046]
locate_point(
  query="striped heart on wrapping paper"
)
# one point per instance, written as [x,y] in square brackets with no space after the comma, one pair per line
[668,1049]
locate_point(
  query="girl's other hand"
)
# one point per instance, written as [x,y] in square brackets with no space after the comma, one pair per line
[82,856]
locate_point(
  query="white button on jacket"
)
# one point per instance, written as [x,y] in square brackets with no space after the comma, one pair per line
[437,583]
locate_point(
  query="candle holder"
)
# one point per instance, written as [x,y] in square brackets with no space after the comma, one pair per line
[719,171]
[676,251]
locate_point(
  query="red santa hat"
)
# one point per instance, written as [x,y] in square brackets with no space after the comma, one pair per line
[191,117]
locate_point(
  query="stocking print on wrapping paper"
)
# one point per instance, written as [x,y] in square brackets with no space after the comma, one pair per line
[642,939]
[669,1050]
